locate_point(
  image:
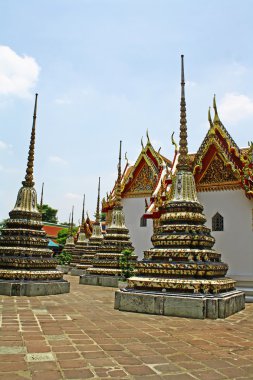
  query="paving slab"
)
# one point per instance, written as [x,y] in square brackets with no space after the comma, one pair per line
[79,335]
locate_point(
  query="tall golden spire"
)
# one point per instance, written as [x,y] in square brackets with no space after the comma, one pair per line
[98,202]
[118,184]
[82,221]
[183,162]
[28,182]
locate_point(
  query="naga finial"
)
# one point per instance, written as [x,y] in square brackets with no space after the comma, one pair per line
[216,118]
[142,143]
[174,142]
[127,162]
[209,117]
[147,136]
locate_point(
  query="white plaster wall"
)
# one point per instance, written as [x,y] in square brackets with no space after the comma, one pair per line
[235,243]
[134,208]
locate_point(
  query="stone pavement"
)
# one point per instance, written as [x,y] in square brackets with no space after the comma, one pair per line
[80,336]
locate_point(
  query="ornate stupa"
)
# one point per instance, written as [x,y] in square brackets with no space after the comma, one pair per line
[26,263]
[95,240]
[81,242]
[116,239]
[69,246]
[182,275]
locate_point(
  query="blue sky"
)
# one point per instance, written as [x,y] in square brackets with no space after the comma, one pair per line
[107,70]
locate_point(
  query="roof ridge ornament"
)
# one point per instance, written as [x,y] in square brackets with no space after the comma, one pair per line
[216,118]
[174,142]
[142,145]
[148,142]
[28,182]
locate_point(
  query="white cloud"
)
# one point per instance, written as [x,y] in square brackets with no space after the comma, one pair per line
[63,101]
[18,74]
[58,160]
[235,107]
[72,196]
[5,147]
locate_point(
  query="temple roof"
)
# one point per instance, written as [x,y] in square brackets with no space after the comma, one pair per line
[139,180]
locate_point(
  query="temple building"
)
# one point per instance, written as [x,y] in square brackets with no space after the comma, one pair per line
[137,187]
[27,267]
[94,242]
[223,174]
[106,269]
[182,275]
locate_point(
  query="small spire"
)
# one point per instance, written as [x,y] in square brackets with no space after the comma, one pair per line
[183,162]
[216,116]
[82,221]
[41,196]
[118,183]
[28,182]
[98,202]
[147,136]
[71,225]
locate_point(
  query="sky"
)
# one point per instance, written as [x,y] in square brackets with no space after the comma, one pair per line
[108,70]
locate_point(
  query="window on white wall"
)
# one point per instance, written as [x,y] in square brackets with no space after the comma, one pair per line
[143,222]
[217,222]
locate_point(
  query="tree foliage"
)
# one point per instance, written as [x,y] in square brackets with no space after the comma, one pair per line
[64,258]
[126,263]
[63,234]
[49,214]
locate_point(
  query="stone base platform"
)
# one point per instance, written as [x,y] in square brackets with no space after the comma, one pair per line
[77,272]
[33,288]
[63,268]
[111,281]
[199,306]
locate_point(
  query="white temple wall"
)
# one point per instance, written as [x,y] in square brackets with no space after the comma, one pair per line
[235,243]
[134,209]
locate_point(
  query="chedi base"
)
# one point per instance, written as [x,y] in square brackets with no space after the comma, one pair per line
[33,288]
[198,306]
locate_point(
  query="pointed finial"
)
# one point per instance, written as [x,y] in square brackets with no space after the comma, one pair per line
[216,116]
[82,221]
[159,150]
[118,183]
[174,142]
[98,203]
[142,145]
[72,217]
[147,136]
[209,117]
[183,162]
[41,196]
[28,182]
[127,162]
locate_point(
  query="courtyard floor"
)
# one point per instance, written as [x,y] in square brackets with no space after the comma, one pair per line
[80,336]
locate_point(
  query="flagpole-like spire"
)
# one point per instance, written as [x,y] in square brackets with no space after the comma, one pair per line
[183,163]
[72,217]
[118,184]
[28,182]
[82,221]
[41,196]
[98,203]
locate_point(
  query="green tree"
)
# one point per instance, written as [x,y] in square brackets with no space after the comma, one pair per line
[64,258]
[63,234]
[126,263]
[48,214]
[2,224]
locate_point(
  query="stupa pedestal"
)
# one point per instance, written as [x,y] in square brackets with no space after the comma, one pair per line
[27,266]
[182,275]
[106,269]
